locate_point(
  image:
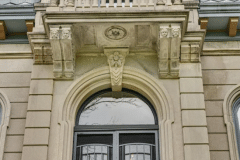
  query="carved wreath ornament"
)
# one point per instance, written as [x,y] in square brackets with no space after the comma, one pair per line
[115,32]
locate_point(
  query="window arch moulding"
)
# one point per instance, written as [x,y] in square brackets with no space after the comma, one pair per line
[99,79]
[228,104]
[5,116]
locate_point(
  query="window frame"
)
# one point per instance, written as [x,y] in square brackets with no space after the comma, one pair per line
[235,108]
[116,129]
[116,145]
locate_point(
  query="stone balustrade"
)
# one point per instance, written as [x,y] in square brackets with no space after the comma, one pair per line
[21,2]
[112,3]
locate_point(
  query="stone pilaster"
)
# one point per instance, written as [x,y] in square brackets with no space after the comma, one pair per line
[35,144]
[195,134]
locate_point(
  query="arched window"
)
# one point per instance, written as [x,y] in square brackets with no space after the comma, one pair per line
[236,119]
[116,126]
[0,113]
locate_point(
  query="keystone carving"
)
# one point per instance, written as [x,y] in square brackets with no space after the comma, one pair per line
[63,55]
[169,50]
[116,60]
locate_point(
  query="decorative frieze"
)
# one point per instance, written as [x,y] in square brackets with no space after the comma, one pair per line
[169,50]
[116,60]
[62,49]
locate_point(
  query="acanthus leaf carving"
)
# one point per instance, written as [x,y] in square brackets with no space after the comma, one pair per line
[116,60]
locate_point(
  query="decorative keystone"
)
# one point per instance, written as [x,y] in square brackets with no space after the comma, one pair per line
[116,60]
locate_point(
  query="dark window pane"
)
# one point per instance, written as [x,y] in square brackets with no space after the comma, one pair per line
[94,147]
[116,109]
[94,139]
[137,146]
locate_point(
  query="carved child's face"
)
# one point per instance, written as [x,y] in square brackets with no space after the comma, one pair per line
[65,34]
[175,33]
[164,32]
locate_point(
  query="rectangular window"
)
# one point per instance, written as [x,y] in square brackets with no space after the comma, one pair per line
[116,145]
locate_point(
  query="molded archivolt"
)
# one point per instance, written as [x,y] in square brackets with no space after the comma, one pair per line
[229,100]
[6,108]
[99,79]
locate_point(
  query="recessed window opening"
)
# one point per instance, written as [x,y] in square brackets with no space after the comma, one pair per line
[116,126]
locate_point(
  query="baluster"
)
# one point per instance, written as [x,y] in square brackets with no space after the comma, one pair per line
[135,3]
[160,2]
[119,3]
[87,4]
[127,4]
[150,3]
[95,4]
[79,3]
[103,3]
[143,3]
[177,2]
[70,3]
[111,3]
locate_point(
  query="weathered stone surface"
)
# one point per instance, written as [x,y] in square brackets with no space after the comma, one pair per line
[13,144]
[218,142]
[42,71]
[192,101]
[193,135]
[41,87]
[191,85]
[12,156]
[34,153]
[15,79]
[190,70]
[16,94]
[38,119]
[16,127]
[19,110]
[196,152]
[220,62]
[216,92]
[194,118]
[220,155]
[16,65]
[221,76]
[36,136]
[216,125]
[214,108]
[40,102]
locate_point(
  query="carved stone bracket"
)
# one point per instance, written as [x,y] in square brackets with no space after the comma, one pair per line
[190,51]
[169,50]
[62,49]
[116,60]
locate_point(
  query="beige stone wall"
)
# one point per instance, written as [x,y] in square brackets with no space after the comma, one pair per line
[15,76]
[221,70]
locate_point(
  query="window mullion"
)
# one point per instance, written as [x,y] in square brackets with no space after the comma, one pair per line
[116,145]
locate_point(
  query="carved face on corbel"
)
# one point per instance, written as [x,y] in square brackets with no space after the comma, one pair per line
[175,32]
[164,32]
[54,33]
[66,34]
[116,60]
